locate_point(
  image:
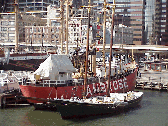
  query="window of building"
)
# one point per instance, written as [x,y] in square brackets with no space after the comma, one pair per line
[163,25]
[163,10]
[3,35]
[163,20]
[11,34]
[39,29]
[52,30]
[3,28]
[4,23]
[162,30]
[11,29]
[11,23]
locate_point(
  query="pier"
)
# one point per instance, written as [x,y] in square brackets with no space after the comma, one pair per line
[152,80]
[11,99]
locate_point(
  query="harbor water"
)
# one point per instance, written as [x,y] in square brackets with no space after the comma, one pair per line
[152,111]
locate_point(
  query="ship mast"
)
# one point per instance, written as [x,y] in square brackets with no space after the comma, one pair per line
[104,32]
[67,12]
[16,25]
[87,49]
[111,43]
[62,21]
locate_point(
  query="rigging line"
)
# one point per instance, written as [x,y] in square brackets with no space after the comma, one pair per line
[50,93]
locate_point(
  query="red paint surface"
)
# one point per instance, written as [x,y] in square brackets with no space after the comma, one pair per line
[127,82]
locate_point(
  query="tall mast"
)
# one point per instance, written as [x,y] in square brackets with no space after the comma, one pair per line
[111,43]
[104,32]
[62,21]
[67,13]
[87,49]
[16,25]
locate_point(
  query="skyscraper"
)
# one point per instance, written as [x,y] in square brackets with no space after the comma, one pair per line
[166,29]
[132,14]
[160,22]
[149,15]
[164,23]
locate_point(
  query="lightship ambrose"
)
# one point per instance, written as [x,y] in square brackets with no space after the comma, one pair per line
[53,79]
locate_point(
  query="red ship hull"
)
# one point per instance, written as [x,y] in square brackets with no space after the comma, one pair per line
[119,85]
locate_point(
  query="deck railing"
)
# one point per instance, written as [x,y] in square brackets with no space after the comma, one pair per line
[62,83]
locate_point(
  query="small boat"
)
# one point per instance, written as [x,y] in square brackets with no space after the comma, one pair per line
[99,105]
[8,81]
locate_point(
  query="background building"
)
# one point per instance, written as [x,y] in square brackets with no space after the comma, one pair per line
[130,13]
[7,26]
[163,35]
[148,18]
[166,30]
[159,33]
[42,35]
[155,22]
[123,34]
[133,16]
[30,5]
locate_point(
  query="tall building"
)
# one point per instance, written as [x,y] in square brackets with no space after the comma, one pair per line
[149,15]
[133,16]
[164,23]
[160,21]
[157,22]
[130,13]
[166,30]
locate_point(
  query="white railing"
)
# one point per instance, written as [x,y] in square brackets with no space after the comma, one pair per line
[53,82]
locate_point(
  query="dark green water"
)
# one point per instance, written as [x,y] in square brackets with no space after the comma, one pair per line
[153,111]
